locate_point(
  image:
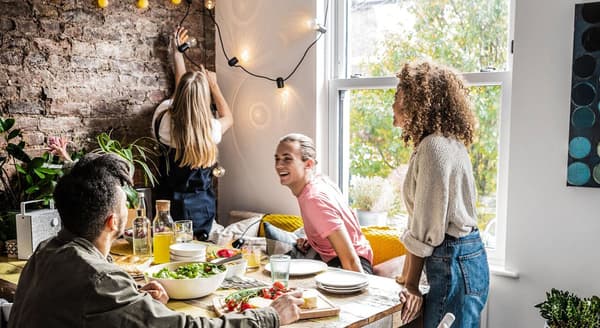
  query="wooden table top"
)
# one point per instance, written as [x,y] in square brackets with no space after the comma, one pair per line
[380,300]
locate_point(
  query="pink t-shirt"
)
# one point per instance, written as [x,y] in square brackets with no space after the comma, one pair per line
[323,211]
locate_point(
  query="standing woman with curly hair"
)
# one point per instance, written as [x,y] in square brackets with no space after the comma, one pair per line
[433,111]
[189,133]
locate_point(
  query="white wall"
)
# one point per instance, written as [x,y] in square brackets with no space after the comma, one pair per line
[553,232]
[275,34]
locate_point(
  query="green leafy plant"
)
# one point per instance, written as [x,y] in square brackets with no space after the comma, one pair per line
[563,309]
[137,154]
[371,194]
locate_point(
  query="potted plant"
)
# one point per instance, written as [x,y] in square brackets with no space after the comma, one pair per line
[137,153]
[563,309]
[372,197]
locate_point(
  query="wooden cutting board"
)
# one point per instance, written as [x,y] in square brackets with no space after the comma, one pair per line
[325,307]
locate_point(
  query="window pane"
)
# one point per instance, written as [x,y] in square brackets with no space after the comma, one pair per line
[469,35]
[376,150]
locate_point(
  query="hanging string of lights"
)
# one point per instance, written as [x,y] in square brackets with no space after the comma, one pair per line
[233,61]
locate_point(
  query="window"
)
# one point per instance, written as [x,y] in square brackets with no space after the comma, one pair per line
[372,39]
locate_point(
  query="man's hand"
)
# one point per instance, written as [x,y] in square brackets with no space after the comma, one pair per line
[157,291]
[302,245]
[287,307]
[412,304]
[58,146]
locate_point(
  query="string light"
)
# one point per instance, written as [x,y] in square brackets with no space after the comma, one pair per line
[142,4]
[245,56]
[175,2]
[102,3]
[209,4]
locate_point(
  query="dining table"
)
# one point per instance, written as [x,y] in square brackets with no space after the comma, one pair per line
[377,305]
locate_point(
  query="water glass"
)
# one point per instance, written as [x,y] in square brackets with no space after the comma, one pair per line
[183,231]
[280,268]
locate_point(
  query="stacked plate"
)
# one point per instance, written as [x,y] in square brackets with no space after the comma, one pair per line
[342,282]
[188,252]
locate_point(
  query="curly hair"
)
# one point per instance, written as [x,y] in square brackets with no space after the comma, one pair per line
[89,193]
[435,100]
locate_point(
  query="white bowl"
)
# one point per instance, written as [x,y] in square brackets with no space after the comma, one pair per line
[177,258]
[236,268]
[186,288]
[188,249]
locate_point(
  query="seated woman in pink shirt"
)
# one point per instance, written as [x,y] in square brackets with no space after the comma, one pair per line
[331,227]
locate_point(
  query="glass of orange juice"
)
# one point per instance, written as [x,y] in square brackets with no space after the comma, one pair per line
[252,252]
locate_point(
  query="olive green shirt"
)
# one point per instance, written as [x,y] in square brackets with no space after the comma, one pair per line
[67,282]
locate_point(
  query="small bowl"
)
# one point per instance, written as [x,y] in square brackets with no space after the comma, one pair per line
[236,268]
[186,288]
[188,249]
[177,258]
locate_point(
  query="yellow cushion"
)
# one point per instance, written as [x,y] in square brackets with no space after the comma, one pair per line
[281,221]
[385,241]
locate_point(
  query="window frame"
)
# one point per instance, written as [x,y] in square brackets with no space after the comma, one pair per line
[336,117]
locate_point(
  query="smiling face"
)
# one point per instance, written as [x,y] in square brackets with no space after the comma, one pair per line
[291,169]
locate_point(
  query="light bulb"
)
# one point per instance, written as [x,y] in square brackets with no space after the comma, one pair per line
[175,2]
[285,94]
[245,55]
[209,4]
[142,4]
[218,171]
[102,3]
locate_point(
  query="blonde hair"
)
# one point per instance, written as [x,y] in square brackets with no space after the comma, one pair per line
[191,125]
[435,100]
[307,145]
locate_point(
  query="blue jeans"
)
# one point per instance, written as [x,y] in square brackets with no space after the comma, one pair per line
[459,279]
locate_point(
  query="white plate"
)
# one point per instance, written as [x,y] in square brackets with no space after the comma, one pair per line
[341,291]
[301,267]
[366,284]
[341,278]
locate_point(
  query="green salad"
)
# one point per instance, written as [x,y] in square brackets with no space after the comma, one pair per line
[190,271]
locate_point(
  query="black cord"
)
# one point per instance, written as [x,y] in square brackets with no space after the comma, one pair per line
[263,76]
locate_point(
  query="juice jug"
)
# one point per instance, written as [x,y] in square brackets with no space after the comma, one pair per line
[162,226]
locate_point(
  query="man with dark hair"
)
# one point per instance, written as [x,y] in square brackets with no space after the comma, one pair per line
[70,280]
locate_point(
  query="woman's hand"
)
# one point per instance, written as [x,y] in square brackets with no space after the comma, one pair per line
[157,291]
[180,36]
[413,301]
[58,146]
[302,245]
[211,77]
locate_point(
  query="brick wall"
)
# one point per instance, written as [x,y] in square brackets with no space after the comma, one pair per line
[70,68]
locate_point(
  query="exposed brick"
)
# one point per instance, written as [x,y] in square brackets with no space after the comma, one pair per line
[27,123]
[36,59]
[66,108]
[30,93]
[56,61]
[25,107]
[9,92]
[43,10]
[27,27]
[12,56]
[32,138]
[156,95]
[51,46]
[17,9]
[7,24]
[66,123]
[83,17]
[50,27]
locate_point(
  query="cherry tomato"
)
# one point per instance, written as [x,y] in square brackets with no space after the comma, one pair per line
[278,285]
[277,294]
[231,305]
[225,252]
[265,293]
[245,306]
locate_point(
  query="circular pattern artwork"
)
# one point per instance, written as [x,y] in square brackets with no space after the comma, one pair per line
[578,174]
[583,165]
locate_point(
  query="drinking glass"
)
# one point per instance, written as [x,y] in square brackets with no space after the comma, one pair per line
[280,268]
[183,231]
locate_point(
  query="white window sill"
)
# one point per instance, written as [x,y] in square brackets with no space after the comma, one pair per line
[502,271]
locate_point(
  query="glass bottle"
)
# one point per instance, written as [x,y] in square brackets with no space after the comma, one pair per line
[162,226]
[142,239]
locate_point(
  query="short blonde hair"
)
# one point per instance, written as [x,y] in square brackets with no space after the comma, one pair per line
[307,145]
[435,100]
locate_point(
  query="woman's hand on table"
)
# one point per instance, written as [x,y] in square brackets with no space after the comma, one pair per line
[413,301]
[286,306]
[302,245]
[157,291]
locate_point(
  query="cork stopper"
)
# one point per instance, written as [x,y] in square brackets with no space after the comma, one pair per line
[163,205]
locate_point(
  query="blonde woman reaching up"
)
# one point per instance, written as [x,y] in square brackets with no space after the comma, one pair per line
[189,133]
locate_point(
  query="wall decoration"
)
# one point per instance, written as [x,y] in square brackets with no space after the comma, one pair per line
[584,124]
